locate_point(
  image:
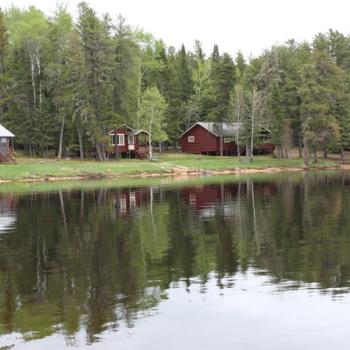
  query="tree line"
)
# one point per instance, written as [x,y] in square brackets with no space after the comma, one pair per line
[64,84]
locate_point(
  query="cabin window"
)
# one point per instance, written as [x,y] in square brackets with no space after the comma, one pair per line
[120,140]
[112,140]
[228,139]
[191,139]
[131,140]
[3,145]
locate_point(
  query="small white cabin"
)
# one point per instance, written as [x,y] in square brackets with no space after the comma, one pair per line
[6,145]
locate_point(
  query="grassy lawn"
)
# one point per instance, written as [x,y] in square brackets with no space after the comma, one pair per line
[28,168]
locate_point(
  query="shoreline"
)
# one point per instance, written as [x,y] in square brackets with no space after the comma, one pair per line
[176,172]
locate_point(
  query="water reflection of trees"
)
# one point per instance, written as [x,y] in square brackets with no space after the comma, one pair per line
[99,258]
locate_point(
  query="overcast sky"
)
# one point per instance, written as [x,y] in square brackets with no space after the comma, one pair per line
[246,25]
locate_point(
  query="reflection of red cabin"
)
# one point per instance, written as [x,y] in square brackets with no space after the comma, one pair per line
[208,197]
[128,199]
[204,138]
[129,142]
[7,204]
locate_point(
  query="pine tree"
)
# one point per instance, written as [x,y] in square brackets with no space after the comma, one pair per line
[97,49]
[277,118]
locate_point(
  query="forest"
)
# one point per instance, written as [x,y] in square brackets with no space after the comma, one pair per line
[64,83]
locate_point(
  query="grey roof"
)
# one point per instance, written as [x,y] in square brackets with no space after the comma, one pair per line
[5,133]
[228,129]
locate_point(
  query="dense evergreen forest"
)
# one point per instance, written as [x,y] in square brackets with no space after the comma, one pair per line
[64,84]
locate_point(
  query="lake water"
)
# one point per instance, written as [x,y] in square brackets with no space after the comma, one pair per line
[256,263]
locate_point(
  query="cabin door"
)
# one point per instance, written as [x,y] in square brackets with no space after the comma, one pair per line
[131,142]
[3,145]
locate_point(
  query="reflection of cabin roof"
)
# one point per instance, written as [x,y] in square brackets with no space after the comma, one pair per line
[5,133]
[6,222]
[228,129]
[132,131]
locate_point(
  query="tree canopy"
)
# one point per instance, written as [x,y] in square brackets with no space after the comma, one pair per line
[65,83]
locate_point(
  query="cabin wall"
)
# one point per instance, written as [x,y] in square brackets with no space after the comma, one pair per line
[228,147]
[124,148]
[204,141]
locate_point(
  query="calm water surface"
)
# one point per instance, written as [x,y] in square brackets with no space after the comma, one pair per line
[251,264]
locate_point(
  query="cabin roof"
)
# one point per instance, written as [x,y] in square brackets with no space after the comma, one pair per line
[140,131]
[132,131]
[228,129]
[5,133]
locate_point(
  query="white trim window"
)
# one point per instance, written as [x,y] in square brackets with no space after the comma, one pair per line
[120,140]
[228,139]
[111,140]
[131,139]
[190,139]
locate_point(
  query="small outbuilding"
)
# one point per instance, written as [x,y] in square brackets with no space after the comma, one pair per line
[6,144]
[128,142]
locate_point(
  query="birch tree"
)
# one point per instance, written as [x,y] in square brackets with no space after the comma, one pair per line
[152,116]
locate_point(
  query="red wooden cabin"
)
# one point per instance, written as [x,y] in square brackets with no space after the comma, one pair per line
[204,138]
[128,142]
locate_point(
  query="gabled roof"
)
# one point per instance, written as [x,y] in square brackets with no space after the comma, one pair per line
[132,131]
[228,129]
[140,131]
[5,133]
[121,126]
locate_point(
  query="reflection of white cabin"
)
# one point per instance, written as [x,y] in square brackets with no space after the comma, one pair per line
[7,216]
[7,222]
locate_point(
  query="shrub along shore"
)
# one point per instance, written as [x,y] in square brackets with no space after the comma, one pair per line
[40,169]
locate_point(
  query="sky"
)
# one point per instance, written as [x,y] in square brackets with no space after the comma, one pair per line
[249,26]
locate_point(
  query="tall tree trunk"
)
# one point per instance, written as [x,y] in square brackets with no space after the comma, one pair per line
[247,150]
[61,139]
[221,139]
[81,150]
[315,155]
[306,153]
[252,126]
[342,153]
[238,122]
[140,75]
[33,79]
[150,146]
[325,153]
[150,135]
[100,149]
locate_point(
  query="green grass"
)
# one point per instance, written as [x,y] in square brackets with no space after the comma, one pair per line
[28,168]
